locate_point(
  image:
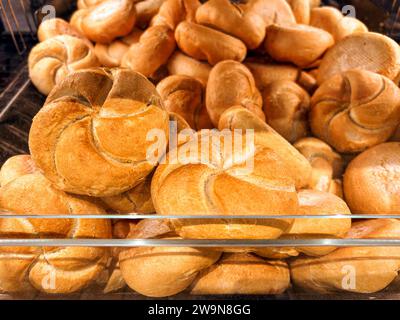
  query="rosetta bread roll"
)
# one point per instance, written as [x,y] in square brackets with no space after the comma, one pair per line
[51,28]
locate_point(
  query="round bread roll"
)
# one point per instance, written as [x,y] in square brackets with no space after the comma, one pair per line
[230,84]
[348,26]
[240,118]
[367,51]
[173,12]
[242,273]
[209,176]
[181,64]
[154,48]
[110,55]
[301,10]
[96,121]
[146,10]
[246,21]
[52,60]
[371,181]
[355,110]
[286,107]
[352,269]
[51,270]
[105,20]
[184,95]
[313,203]
[300,44]
[203,43]
[163,271]
[327,165]
[50,28]
[15,167]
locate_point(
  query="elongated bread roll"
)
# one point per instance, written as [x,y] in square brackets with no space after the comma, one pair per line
[173,12]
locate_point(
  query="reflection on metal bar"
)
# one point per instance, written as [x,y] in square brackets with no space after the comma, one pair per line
[204,243]
[135,216]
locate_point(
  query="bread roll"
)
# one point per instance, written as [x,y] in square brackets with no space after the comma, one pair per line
[242,273]
[245,20]
[367,51]
[327,165]
[105,20]
[203,43]
[51,270]
[371,181]
[110,55]
[181,64]
[51,28]
[146,10]
[301,10]
[355,110]
[352,269]
[173,12]
[15,167]
[313,203]
[299,168]
[184,95]
[52,60]
[152,51]
[231,84]
[208,178]
[96,122]
[83,4]
[298,44]
[286,107]
[163,271]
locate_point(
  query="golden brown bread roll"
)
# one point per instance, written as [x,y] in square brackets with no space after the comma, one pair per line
[106,20]
[214,187]
[240,118]
[204,43]
[110,55]
[327,165]
[355,110]
[154,48]
[52,60]
[83,4]
[242,273]
[313,203]
[231,84]
[51,270]
[173,12]
[298,44]
[181,64]
[301,10]
[146,10]
[352,269]
[15,167]
[185,96]
[96,122]
[286,107]
[371,181]
[367,51]
[245,20]
[51,28]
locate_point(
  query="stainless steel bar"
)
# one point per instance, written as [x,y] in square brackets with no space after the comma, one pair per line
[17,25]
[9,27]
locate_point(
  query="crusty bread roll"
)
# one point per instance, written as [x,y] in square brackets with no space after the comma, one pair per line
[173,12]
[185,96]
[352,269]
[154,48]
[355,110]
[163,271]
[110,55]
[299,44]
[240,118]
[51,270]
[313,203]
[230,84]
[146,10]
[245,20]
[106,20]
[242,273]
[286,107]
[211,179]
[204,43]
[371,180]
[15,167]
[327,165]
[301,10]
[52,60]
[181,64]
[51,28]
[367,50]
[96,122]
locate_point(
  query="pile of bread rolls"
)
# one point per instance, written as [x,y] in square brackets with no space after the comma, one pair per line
[320,92]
